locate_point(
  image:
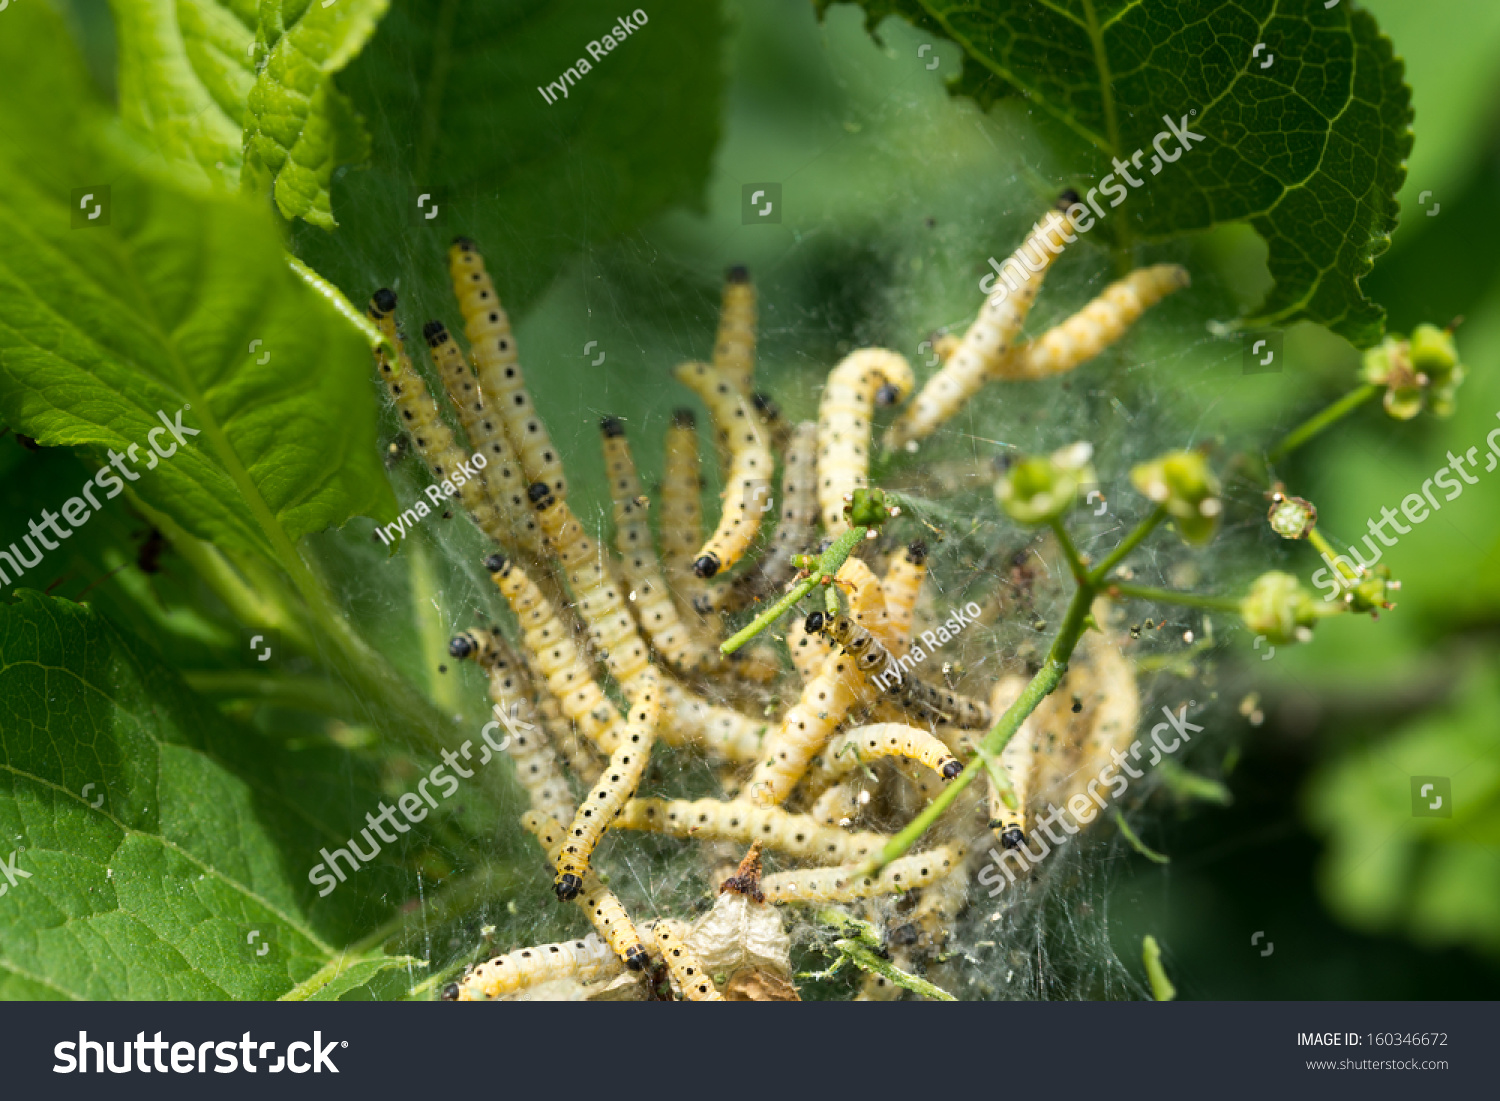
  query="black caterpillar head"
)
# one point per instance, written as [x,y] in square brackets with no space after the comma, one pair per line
[384,301]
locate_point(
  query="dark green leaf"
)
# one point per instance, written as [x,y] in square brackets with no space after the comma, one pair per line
[1305,139]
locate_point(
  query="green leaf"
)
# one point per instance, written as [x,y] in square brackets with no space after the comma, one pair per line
[185,69]
[1309,149]
[182,302]
[450,92]
[298,126]
[202,834]
[340,977]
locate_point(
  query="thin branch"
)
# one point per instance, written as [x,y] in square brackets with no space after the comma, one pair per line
[1321,420]
[1117,589]
[1128,544]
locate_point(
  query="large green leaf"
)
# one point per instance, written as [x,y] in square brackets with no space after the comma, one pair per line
[451,95]
[154,838]
[183,302]
[298,126]
[1306,139]
[185,69]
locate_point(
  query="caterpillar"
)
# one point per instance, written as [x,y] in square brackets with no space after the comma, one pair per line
[992,333]
[493,347]
[536,765]
[669,636]
[845,753]
[795,534]
[576,750]
[849,882]
[809,649]
[797,835]
[825,701]
[671,939]
[606,914]
[599,601]
[901,585]
[757,663]
[747,485]
[618,783]
[866,597]
[1093,328]
[838,804]
[862,380]
[419,413]
[681,514]
[1017,759]
[734,345]
[586,961]
[875,662]
[551,648]
[502,472]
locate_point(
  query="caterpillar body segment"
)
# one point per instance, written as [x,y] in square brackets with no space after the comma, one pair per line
[845,752]
[875,663]
[588,960]
[745,823]
[1018,759]
[682,962]
[825,701]
[502,472]
[902,584]
[554,654]
[991,335]
[757,663]
[681,515]
[492,346]
[606,914]
[809,649]
[599,602]
[846,884]
[576,750]
[617,784]
[1093,328]
[669,635]
[722,731]
[734,344]
[862,380]
[866,597]
[536,764]
[796,532]
[431,435]
[838,803]
[747,484]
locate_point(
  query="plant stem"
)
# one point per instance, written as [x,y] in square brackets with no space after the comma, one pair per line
[308,693]
[1319,421]
[1046,679]
[1128,544]
[1136,843]
[860,944]
[1167,596]
[827,565]
[1161,986]
[1075,561]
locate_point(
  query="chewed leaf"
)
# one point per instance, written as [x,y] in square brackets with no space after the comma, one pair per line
[298,126]
[158,848]
[1304,116]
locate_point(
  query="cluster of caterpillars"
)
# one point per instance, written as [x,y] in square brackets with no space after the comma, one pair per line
[644,625]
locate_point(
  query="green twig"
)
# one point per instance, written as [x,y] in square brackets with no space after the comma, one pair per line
[307,693]
[1161,986]
[1136,843]
[1075,561]
[1189,785]
[859,943]
[1166,596]
[1128,544]
[1319,421]
[827,565]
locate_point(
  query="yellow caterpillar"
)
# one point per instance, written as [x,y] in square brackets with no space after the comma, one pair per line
[747,485]
[847,884]
[586,961]
[1017,759]
[653,604]
[493,347]
[546,639]
[433,438]
[809,649]
[606,914]
[845,753]
[875,662]
[536,765]
[862,380]
[825,701]
[672,942]
[502,473]
[902,584]
[734,346]
[1093,328]
[992,333]
[681,514]
[795,534]
[838,803]
[618,783]
[866,599]
[745,823]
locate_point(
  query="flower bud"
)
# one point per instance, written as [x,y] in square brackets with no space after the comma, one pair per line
[1181,482]
[1279,608]
[1040,489]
